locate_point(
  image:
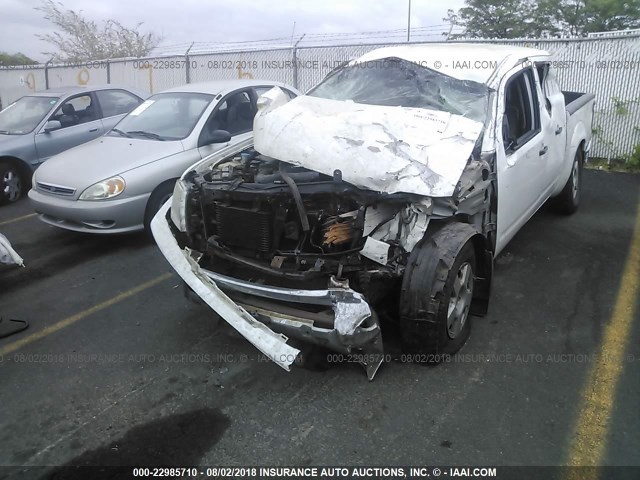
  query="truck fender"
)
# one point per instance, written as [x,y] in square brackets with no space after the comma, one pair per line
[449,240]
[578,137]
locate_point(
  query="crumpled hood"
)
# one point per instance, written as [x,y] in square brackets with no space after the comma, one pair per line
[104,157]
[384,149]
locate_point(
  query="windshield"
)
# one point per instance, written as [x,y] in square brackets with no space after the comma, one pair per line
[166,116]
[25,114]
[397,82]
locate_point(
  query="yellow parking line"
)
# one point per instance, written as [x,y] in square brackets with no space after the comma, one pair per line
[79,316]
[17,219]
[590,436]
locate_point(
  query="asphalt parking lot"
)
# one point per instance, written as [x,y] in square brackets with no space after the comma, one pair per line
[118,368]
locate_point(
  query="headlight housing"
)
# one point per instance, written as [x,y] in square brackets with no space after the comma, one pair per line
[178,206]
[109,188]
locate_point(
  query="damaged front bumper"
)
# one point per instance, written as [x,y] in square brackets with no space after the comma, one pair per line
[267,315]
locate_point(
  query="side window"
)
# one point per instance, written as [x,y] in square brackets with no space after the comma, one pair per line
[235,114]
[116,102]
[75,111]
[521,119]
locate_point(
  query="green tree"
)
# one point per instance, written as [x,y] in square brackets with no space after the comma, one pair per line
[494,18]
[543,18]
[15,59]
[579,17]
[81,39]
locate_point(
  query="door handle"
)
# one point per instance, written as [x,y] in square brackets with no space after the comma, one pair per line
[544,150]
[93,130]
[558,130]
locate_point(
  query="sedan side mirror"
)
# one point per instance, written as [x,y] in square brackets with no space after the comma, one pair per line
[52,125]
[216,136]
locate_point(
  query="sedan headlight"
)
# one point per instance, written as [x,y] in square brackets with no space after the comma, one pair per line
[178,206]
[109,188]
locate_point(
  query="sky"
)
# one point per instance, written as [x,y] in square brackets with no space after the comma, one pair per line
[214,22]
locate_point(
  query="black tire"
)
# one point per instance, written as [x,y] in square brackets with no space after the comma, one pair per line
[12,184]
[569,199]
[428,290]
[159,196]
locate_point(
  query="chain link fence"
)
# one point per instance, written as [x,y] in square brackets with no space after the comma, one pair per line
[608,67]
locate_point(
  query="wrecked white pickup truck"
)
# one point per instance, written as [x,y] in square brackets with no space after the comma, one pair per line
[387,189]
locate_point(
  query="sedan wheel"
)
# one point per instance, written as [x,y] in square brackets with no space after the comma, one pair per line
[10,183]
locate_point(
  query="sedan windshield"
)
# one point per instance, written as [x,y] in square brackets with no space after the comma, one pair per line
[25,114]
[397,82]
[166,116]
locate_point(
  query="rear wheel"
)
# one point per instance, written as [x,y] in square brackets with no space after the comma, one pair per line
[436,299]
[569,199]
[11,183]
[158,198]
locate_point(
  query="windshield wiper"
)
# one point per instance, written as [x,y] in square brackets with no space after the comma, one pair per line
[5,132]
[120,132]
[142,133]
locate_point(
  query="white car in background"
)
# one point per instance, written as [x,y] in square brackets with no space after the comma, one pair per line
[116,183]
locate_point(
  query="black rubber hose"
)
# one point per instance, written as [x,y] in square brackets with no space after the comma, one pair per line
[296,196]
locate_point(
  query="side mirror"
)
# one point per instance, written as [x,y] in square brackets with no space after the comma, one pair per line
[52,125]
[216,136]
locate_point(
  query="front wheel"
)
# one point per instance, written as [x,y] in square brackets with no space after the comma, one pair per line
[436,299]
[158,198]
[11,184]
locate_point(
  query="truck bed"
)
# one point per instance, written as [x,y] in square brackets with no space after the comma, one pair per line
[575,100]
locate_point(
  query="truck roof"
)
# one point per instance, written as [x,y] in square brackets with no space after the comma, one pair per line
[215,87]
[464,61]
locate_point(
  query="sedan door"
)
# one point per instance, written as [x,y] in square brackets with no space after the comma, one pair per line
[233,113]
[80,122]
[115,104]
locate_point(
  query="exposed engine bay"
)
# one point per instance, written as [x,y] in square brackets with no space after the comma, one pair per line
[263,220]
[308,254]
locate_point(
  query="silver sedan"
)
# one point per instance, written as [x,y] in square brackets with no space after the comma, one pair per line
[43,124]
[117,183]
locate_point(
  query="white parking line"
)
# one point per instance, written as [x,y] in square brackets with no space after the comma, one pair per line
[13,220]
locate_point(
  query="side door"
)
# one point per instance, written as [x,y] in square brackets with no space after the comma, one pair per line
[233,113]
[521,155]
[555,112]
[79,123]
[115,104]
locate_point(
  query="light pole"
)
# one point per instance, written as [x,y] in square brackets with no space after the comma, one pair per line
[409,23]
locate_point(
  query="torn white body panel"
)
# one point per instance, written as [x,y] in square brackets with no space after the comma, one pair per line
[411,222]
[268,342]
[384,149]
[8,256]
[375,250]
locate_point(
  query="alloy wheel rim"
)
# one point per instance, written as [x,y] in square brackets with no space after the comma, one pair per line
[12,187]
[460,300]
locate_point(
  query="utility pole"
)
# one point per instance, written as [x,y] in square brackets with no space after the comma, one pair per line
[409,23]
